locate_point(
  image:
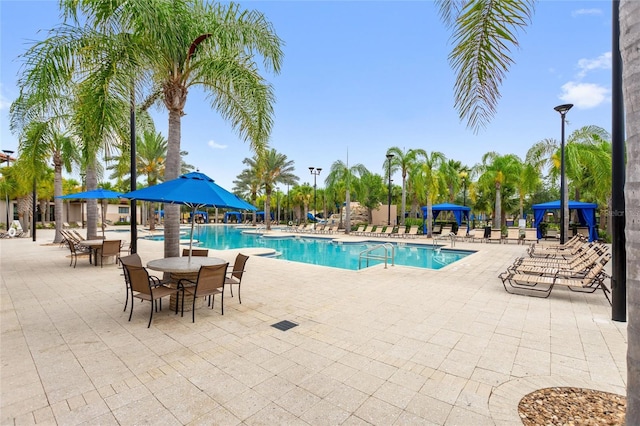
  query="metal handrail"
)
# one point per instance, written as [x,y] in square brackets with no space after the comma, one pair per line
[368,255]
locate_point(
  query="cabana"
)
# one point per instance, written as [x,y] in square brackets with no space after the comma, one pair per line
[458,211]
[237,215]
[202,213]
[586,215]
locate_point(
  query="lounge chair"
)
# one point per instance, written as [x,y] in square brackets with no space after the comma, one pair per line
[368,230]
[574,241]
[446,230]
[541,286]
[412,233]
[552,234]
[577,267]
[513,234]
[477,235]
[557,261]
[360,230]
[437,229]
[496,235]
[400,232]
[530,234]
[461,235]
[561,254]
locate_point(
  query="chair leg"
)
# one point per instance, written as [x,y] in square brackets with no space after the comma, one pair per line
[131,313]
[239,299]
[151,316]
[193,309]
[126,300]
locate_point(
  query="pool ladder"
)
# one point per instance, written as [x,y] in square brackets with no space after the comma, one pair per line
[369,255]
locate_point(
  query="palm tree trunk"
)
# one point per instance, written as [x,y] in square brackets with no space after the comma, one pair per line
[57,191]
[172,170]
[629,42]
[92,205]
[497,216]
[347,215]
[267,210]
[429,217]
[404,198]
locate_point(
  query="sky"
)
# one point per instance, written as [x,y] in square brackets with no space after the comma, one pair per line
[359,77]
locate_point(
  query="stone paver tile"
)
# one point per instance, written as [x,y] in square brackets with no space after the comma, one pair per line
[273,414]
[347,398]
[445,387]
[298,401]
[364,382]
[85,413]
[274,387]
[355,421]
[408,379]
[378,412]
[218,415]
[462,417]
[185,401]
[410,419]
[24,419]
[325,413]
[394,394]
[429,408]
[106,419]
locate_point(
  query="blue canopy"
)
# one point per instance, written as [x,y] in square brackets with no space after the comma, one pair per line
[237,215]
[586,215]
[204,214]
[95,194]
[458,211]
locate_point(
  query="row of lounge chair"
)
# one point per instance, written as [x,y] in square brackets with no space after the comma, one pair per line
[386,231]
[578,265]
[319,228]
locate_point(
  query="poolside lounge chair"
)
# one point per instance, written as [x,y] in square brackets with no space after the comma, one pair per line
[477,234]
[577,266]
[400,232]
[574,241]
[461,235]
[496,235]
[387,231]
[437,229]
[513,234]
[446,230]
[530,234]
[359,231]
[412,233]
[367,231]
[552,234]
[541,286]
[563,254]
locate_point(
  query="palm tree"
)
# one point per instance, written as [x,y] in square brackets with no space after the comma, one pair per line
[402,160]
[341,175]
[372,192]
[248,183]
[427,180]
[273,168]
[42,142]
[151,154]
[497,171]
[211,46]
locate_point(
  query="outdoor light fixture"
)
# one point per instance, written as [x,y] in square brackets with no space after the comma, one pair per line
[564,208]
[8,153]
[315,171]
[389,157]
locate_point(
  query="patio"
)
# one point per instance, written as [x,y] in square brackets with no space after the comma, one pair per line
[394,346]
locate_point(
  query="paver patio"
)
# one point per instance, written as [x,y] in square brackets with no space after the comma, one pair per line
[378,346]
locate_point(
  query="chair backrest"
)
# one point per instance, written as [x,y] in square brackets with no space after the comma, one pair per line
[211,277]
[369,228]
[131,260]
[496,234]
[238,266]
[446,230]
[138,278]
[77,234]
[513,233]
[110,247]
[196,252]
[360,228]
[531,234]
[462,232]
[413,230]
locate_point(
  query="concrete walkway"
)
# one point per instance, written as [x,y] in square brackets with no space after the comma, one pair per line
[377,346]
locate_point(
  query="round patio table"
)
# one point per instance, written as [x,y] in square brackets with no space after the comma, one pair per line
[179,268]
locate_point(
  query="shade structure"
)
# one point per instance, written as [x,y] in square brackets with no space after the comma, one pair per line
[586,215]
[459,212]
[94,194]
[195,190]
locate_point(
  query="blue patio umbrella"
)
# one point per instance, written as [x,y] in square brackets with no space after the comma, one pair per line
[94,194]
[195,190]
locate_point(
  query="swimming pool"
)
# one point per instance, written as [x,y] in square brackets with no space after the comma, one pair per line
[323,251]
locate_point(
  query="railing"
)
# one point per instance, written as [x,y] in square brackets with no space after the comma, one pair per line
[369,255]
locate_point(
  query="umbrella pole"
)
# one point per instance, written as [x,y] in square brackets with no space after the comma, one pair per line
[193,216]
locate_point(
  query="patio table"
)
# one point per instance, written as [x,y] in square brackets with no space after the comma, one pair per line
[179,268]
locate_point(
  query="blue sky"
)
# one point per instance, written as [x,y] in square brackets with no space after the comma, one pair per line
[360,77]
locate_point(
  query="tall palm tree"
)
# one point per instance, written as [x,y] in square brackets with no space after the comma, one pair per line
[403,160]
[151,155]
[274,168]
[498,171]
[450,172]
[428,181]
[212,46]
[43,142]
[342,175]
[248,183]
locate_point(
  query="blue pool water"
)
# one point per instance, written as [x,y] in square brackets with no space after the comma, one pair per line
[320,251]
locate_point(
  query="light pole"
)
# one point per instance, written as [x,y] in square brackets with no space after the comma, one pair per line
[463,175]
[564,208]
[389,157]
[315,171]
[8,153]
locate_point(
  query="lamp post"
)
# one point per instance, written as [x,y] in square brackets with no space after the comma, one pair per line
[463,174]
[8,153]
[315,171]
[389,157]
[564,208]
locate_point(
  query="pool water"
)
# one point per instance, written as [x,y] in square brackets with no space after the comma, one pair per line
[322,251]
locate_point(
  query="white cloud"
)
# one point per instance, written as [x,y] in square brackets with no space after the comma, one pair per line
[602,62]
[580,12]
[584,95]
[215,145]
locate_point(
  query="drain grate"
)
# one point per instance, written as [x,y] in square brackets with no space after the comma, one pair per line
[284,325]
